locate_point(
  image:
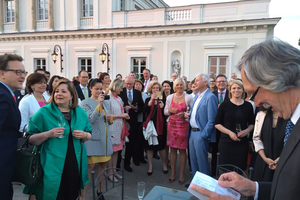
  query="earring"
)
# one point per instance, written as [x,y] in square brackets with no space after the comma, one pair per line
[32,88]
[71,103]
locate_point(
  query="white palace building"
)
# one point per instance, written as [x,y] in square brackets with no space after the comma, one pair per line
[136,34]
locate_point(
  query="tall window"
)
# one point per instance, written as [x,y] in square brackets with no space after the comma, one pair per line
[217,65]
[138,65]
[10,11]
[43,10]
[87,8]
[39,63]
[86,64]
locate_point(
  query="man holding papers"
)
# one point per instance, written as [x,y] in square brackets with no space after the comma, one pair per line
[271,72]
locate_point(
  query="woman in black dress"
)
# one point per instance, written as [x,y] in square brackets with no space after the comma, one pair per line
[152,105]
[235,121]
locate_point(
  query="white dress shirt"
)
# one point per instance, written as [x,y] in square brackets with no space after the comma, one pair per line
[193,122]
[87,91]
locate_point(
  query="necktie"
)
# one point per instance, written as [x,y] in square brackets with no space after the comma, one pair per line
[129,97]
[221,98]
[288,130]
[145,88]
[15,98]
[85,93]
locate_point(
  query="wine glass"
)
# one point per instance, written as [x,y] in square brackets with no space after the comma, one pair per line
[238,128]
[61,123]
[141,190]
[188,110]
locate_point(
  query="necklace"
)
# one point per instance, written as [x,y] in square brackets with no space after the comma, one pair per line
[179,97]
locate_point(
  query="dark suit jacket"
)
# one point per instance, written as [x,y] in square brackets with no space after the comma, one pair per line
[10,120]
[137,98]
[19,96]
[286,180]
[226,95]
[80,94]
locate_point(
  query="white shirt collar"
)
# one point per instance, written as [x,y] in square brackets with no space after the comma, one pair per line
[223,92]
[201,94]
[82,86]
[296,115]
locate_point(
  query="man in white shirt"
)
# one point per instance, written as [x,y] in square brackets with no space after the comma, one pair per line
[202,130]
[82,89]
[146,75]
[270,71]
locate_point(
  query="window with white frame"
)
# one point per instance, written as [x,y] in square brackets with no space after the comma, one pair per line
[86,64]
[138,65]
[43,10]
[40,63]
[87,8]
[217,65]
[10,11]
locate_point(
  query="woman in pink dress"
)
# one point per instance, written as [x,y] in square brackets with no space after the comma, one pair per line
[177,139]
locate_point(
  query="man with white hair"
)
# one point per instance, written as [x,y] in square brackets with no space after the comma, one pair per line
[202,129]
[233,76]
[271,72]
[133,104]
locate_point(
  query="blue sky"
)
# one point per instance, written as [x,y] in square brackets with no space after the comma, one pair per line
[288,28]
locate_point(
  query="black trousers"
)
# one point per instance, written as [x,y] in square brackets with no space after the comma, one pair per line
[132,147]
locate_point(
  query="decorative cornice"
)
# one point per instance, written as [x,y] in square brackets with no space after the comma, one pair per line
[242,26]
[84,49]
[3,51]
[39,50]
[139,48]
[219,46]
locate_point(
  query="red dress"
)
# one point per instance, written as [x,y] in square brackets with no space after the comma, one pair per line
[177,128]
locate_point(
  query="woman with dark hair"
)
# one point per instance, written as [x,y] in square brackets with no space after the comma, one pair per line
[154,109]
[60,128]
[53,81]
[99,147]
[235,120]
[105,78]
[212,86]
[36,86]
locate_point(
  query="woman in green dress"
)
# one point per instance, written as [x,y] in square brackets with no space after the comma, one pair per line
[63,153]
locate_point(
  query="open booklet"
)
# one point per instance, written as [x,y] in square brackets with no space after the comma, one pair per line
[211,184]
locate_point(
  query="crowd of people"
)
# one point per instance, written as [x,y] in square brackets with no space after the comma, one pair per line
[87,122]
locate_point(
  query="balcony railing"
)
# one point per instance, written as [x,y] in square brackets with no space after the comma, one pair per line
[179,15]
[86,22]
[9,27]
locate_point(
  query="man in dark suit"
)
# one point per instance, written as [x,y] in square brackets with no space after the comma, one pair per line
[133,104]
[222,95]
[82,89]
[12,76]
[270,71]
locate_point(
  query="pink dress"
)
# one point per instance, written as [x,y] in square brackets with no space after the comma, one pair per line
[177,128]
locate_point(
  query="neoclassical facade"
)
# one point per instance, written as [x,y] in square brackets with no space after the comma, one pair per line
[139,34]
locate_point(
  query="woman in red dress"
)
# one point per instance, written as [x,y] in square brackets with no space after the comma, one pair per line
[177,132]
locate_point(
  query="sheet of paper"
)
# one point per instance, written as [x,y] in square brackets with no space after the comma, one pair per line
[211,184]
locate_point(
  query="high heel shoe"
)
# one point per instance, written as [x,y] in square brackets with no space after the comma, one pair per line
[181,182]
[102,197]
[171,180]
[165,171]
[118,176]
[149,173]
[113,180]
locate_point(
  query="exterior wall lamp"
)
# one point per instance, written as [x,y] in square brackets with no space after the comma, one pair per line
[56,50]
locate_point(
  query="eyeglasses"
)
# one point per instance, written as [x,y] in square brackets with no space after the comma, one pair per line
[129,83]
[221,81]
[254,94]
[84,77]
[18,72]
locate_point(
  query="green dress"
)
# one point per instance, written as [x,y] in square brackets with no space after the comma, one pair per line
[54,150]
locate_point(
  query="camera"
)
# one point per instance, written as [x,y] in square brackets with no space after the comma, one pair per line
[106,97]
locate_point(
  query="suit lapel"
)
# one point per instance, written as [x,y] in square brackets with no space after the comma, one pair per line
[288,149]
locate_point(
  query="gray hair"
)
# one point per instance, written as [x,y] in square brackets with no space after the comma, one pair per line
[272,64]
[129,77]
[178,80]
[205,77]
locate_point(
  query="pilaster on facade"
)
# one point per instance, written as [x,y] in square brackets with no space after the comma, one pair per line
[1,16]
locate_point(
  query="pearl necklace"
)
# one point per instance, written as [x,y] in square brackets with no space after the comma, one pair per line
[179,97]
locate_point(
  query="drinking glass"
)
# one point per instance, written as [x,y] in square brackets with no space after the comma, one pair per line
[238,128]
[141,190]
[188,110]
[61,123]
